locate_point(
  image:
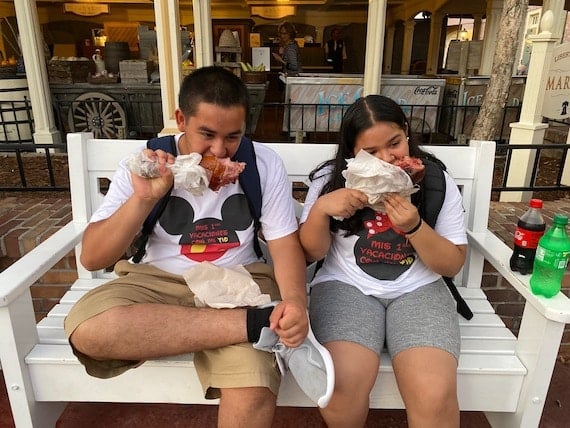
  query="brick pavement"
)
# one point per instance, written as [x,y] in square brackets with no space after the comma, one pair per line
[503,216]
[26,221]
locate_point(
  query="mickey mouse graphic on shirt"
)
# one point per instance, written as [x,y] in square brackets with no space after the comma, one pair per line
[206,239]
[382,251]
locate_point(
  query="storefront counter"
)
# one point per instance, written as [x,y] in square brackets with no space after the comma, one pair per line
[321,94]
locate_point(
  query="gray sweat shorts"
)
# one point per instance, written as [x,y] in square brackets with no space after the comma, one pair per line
[425,317]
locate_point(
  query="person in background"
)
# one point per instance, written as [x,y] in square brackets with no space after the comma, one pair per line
[289,55]
[335,51]
[149,311]
[381,280]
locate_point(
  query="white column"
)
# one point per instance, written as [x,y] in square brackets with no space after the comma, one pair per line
[559,23]
[434,43]
[167,18]
[530,129]
[389,49]
[36,72]
[407,47]
[169,51]
[374,46]
[494,12]
[203,43]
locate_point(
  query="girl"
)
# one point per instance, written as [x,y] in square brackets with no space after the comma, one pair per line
[380,282]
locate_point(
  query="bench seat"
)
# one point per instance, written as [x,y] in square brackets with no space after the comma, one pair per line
[487,358]
[506,377]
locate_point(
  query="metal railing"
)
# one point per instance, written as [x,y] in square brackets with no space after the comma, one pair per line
[314,123]
[549,170]
[33,167]
[134,116]
[16,121]
[283,122]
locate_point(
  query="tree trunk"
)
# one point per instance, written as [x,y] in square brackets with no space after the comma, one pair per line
[490,116]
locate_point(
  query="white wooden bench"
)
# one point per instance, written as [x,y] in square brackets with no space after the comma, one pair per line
[499,374]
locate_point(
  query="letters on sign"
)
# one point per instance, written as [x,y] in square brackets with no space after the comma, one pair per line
[557,89]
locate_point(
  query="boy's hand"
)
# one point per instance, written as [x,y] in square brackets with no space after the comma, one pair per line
[155,188]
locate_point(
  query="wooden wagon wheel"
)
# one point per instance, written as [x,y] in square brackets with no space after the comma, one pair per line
[98,113]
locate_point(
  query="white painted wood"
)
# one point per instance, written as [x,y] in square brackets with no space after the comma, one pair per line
[537,348]
[60,376]
[17,278]
[88,284]
[60,310]
[301,159]
[498,373]
[18,335]
[498,254]
[72,296]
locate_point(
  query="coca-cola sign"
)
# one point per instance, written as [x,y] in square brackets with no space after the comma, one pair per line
[426,90]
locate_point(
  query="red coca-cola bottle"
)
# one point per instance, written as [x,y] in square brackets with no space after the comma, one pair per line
[530,229]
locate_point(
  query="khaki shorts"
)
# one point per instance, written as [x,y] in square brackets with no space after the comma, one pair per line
[235,366]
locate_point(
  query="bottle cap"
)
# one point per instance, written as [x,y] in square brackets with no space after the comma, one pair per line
[560,219]
[535,203]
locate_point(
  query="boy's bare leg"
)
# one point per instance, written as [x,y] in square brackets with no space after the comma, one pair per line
[147,330]
[246,407]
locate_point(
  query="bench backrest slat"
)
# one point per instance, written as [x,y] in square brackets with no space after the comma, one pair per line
[471,167]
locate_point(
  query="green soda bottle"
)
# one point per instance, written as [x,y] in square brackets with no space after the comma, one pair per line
[551,259]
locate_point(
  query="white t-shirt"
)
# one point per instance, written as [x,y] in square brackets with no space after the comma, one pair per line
[375,266]
[215,227]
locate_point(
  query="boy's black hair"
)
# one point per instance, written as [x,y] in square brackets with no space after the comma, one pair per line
[212,85]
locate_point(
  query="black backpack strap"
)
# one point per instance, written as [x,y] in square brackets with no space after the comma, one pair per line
[462,307]
[429,200]
[168,144]
[251,185]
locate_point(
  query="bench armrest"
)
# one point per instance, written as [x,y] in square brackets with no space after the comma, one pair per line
[498,254]
[22,274]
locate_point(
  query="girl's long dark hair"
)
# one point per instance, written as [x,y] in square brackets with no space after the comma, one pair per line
[360,116]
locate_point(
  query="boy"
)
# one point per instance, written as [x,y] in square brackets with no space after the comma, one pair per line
[149,311]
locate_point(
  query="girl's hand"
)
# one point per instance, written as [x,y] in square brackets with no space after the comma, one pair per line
[341,203]
[403,214]
[438,253]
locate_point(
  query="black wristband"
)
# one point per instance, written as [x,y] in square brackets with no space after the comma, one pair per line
[415,228]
